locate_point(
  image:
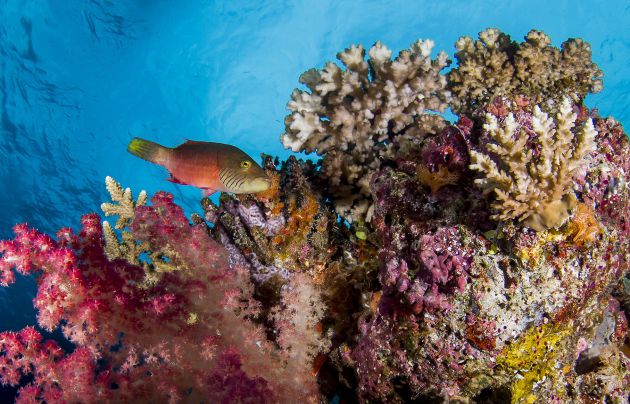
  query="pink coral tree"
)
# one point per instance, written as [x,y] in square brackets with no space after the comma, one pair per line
[188,336]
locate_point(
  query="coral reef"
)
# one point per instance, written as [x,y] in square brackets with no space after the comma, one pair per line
[458,306]
[350,116]
[486,260]
[189,336]
[290,233]
[496,66]
[535,189]
[283,230]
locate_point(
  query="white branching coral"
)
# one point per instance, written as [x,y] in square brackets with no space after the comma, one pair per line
[532,177]
[351,115]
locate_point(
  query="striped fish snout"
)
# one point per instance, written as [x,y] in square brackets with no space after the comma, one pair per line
[240,182]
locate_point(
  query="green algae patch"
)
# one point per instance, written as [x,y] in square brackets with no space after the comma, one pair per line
[533,358]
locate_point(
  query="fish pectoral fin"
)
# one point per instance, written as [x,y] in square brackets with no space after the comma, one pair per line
[175,180]
[206,192]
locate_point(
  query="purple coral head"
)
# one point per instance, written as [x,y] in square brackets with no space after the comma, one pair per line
[402,284]
[442,256]
[434,300]
[438,266]
[448,149]
[417,291]
[443,264]
[392,271]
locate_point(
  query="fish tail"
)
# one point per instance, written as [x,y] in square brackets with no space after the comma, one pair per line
[147,150]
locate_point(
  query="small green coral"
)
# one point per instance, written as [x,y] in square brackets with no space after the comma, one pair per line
[123,206]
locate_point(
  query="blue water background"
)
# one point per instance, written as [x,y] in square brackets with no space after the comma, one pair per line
[79,79]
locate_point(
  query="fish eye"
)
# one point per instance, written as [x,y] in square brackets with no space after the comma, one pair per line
[246,164]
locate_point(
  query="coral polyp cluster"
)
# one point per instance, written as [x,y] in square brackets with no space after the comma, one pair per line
[419,260]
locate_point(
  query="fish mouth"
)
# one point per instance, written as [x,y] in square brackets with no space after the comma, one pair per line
[258,184]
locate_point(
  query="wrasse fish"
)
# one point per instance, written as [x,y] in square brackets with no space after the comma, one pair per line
[207,165]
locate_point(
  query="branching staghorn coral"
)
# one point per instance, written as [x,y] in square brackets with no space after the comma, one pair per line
[123,206]
[495,66]
[533,183]
[351,115]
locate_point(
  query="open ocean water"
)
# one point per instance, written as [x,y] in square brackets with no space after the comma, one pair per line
[79,79]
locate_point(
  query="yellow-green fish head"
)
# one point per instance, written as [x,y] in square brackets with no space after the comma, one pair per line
[241,175]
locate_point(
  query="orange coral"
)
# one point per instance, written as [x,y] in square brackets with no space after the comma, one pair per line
[375,301]
[438,179]
[478,339]
[300,219]
[584,227]
[291,242]
[272,195]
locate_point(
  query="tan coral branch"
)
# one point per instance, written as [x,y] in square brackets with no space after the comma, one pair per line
[535,190]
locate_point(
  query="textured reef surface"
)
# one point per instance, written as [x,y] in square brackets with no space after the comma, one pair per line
[485,260]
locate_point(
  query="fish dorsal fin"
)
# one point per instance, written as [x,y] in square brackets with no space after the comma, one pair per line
[188,141]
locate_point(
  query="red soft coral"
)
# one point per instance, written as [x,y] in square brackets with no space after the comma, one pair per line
[186,337]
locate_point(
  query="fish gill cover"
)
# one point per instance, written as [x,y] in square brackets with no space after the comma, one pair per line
[484,260]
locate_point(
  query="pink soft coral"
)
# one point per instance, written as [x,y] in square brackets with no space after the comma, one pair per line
[187,337]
